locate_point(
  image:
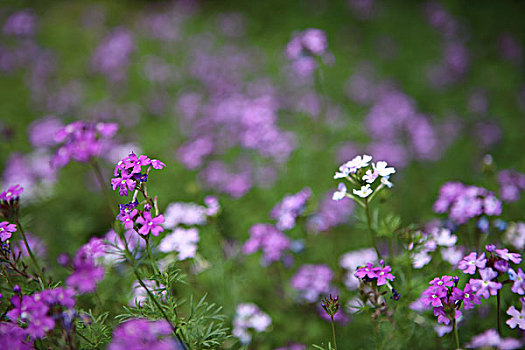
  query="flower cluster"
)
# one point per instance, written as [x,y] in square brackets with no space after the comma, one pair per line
[463,202]
[446,299]
[438,239]
[80,141]
[303,49]
[129,171]
[269,239]
[377,274]
[14,337]
[287,211]
[312,281]
[490,267]
[249,317]
[182,241]
[190,214]
[363,175]
[293,346]
[511,185]
[137,334]
[39,312]
[87,272]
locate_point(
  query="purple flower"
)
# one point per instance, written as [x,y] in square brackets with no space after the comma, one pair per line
[269,239]
[432,296]
[139,334]
[124,184]
[312,281]
[86,274]
[505,255]
[157,164]
[443,282]
[518,318]
[491,338]
[519,282]
[485,286]
[249,317]
[14,337]
[6,230]
[471,262]
[34,311]
[12,192]
[127,218]
[467,295]
[150,224]
[290,208]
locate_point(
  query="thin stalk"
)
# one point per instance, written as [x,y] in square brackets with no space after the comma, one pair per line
[30,252]
[498,298]
[370,230]
[333,331]
[100,178]
[455,327]
[151,259]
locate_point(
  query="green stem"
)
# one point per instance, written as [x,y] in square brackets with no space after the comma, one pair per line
[333,331]
[498,298]
[456,337]
[370,230]
[151,259]
[30,252]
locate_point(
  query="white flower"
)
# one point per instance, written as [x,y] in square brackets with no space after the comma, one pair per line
[444,237]
[386,182]
[383,170]
[340,193]
[364,192]
[344,171]
[351,166]
[370,176]
[360,161]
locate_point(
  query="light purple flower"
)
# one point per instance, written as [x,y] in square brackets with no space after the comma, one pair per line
[471,262]
[312,281]
[485,286]
[518,317]
[505,255]
[519,281]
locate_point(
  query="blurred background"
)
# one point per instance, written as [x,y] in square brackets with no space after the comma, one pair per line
[221,93]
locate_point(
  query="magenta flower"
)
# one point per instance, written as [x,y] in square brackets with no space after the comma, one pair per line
[367,271]
[519,282]
[432,296]
[518,317]
[14,337]
[383,274]
[150,224]
[471,262]
[127,218]
[6,230]
[467,295]
[505,255]
[124,184]
[485,286]
[443,282]
[11,193]
[157,164]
